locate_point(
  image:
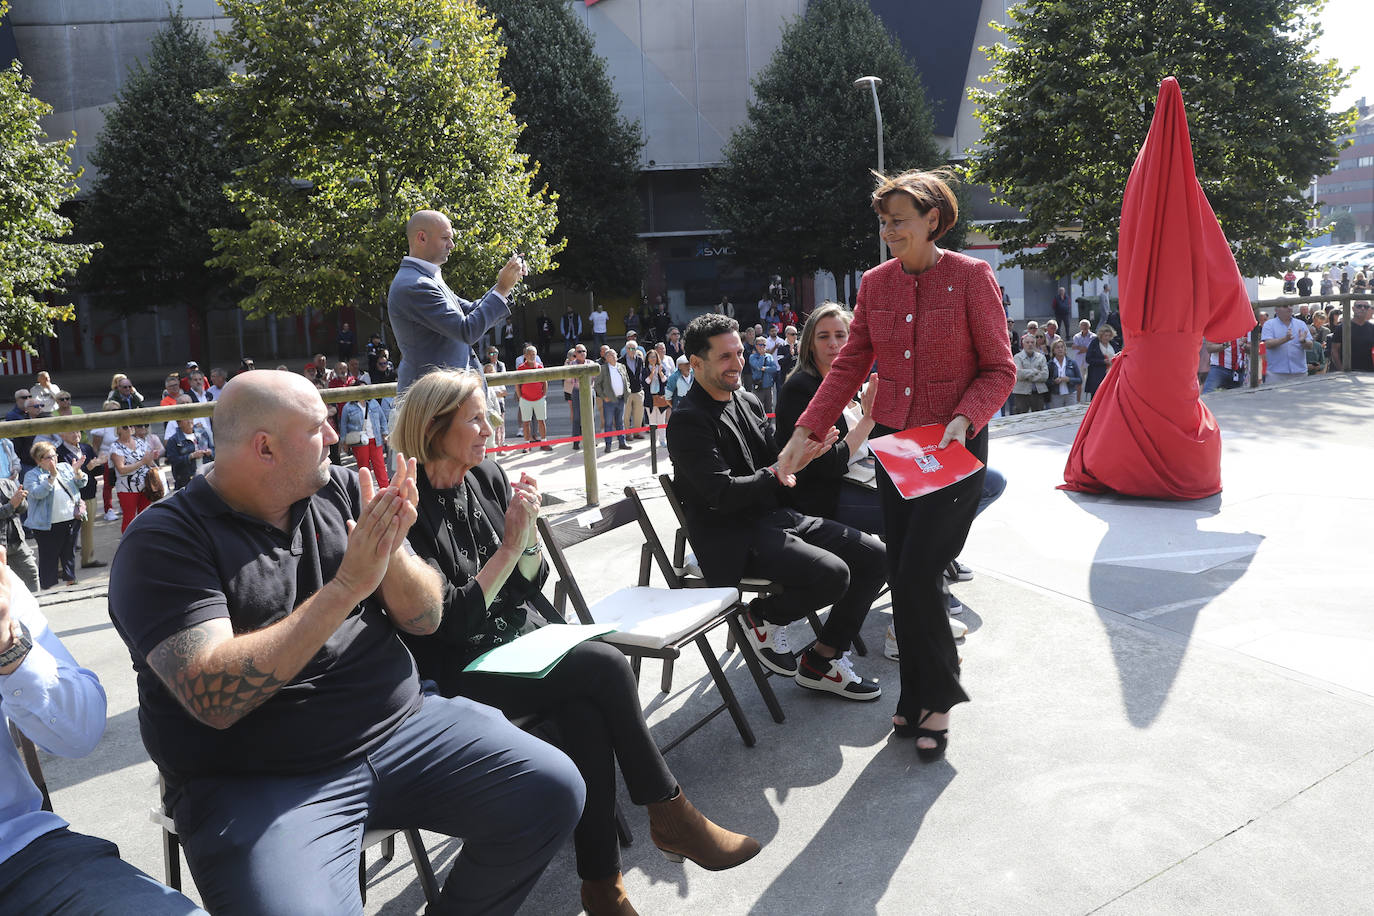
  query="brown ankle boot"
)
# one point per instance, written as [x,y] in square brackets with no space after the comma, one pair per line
[606,897]
[680,832]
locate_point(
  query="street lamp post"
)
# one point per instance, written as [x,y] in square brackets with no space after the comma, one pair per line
[872,83]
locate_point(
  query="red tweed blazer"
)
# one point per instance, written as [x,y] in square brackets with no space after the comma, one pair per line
[940,342]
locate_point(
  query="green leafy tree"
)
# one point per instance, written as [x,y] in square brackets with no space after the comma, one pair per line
[586,151]
[163,162]
[794,190]
[352,114]
[1078,84]
[35,180]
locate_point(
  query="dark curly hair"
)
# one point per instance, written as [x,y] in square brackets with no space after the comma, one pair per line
[702,328]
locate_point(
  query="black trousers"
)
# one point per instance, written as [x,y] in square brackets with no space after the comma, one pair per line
[923,536]
[56,553]
[817,562]
[592,699]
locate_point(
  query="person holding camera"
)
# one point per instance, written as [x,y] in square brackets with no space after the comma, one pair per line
[432,325]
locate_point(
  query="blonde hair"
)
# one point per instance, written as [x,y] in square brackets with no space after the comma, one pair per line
[42,450]
[426,409]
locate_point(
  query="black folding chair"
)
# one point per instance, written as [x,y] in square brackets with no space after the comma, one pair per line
[650,622]
[684,563]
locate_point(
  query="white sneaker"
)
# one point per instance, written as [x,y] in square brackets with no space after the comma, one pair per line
[769,642]
[957,628]
[112,516]
[838,678]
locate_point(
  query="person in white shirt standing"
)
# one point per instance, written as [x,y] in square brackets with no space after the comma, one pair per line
[1285,340]
[599,318]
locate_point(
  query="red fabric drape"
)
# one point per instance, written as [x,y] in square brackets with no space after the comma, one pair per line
[1146,433]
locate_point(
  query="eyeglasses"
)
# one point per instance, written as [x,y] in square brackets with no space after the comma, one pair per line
[64,400]
[124,385]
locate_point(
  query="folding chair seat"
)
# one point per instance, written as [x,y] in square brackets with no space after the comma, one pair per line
[651,622]
[684,563]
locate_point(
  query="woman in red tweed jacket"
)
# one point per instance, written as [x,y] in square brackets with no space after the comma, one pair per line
[933,321]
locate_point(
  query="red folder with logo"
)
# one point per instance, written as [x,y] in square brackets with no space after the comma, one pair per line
[917,466]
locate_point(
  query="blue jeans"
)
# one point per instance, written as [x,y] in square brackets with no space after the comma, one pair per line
[289,844]
[1216,377]
[993,485]
[613,416]
[66,872]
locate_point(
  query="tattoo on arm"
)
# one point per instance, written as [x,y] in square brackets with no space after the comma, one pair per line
[424,622]
[217,695]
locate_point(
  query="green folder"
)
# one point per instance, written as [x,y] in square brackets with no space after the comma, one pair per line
[535,653]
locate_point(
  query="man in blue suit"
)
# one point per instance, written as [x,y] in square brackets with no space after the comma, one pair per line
[434,327]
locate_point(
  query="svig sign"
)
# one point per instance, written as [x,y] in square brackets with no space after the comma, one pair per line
[705,250]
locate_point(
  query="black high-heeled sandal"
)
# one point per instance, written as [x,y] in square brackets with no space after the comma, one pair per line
[941,738]
[904,730]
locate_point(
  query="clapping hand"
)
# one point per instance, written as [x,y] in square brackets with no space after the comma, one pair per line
[523,511]
[380,530]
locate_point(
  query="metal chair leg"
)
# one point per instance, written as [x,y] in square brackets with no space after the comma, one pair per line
[171,859]
[622,828]
[421,859]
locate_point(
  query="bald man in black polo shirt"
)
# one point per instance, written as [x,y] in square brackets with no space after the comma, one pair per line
[277,699]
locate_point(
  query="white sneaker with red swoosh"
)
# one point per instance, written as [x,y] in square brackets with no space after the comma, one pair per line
[835,675]
[769,642]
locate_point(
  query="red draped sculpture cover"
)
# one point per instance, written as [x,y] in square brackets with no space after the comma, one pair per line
[1146,432]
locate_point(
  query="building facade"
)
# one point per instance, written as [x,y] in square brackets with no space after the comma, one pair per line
[1349,187]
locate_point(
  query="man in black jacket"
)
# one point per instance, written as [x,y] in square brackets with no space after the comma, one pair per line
[725,471]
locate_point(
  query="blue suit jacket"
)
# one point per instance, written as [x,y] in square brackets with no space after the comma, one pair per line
[432,326]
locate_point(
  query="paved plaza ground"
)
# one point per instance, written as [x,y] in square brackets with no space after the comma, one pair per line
[1173,704]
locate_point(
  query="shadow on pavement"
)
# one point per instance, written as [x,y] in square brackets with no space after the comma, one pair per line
[906,790]
[1166,577]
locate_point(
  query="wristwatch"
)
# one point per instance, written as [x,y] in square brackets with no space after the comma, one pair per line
[21,647]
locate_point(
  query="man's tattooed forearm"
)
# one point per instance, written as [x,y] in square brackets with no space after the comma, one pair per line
[217,697]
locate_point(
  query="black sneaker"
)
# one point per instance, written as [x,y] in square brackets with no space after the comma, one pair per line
[769,642]
[836,677]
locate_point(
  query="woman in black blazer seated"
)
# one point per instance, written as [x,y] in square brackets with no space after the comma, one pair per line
[478,530]
[821,489]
